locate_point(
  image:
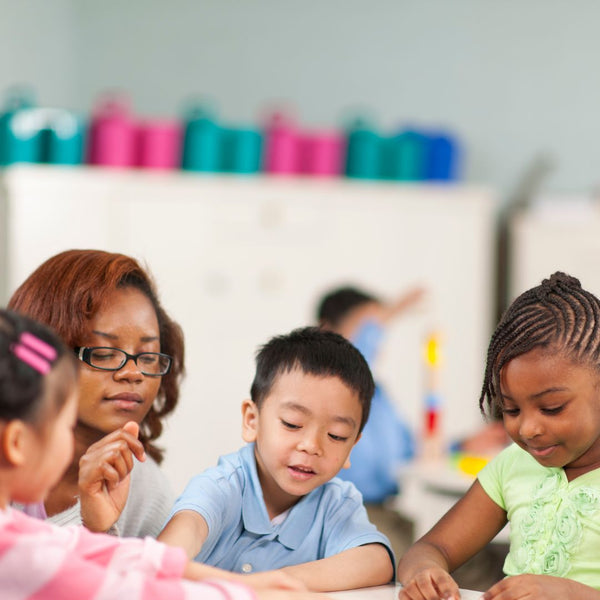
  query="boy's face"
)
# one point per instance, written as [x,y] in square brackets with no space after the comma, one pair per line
[304,432]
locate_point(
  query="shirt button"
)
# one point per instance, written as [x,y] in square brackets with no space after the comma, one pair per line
[247,568]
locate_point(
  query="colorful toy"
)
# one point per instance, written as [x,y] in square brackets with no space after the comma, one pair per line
[432,429]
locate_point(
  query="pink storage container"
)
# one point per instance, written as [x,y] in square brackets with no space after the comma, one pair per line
[322,154]
[159,145]
[112,135]
[282,146]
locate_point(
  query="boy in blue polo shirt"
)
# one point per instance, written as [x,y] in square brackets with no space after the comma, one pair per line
[276,503]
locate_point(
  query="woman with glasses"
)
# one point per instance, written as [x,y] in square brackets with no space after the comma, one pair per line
[105,307]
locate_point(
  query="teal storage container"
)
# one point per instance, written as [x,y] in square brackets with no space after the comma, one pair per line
[39,135]
[202,142]
[406,156]
[364,152]
[19,136]
[241,150]
[63,141]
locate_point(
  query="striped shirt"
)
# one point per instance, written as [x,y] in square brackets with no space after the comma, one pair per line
[40,561]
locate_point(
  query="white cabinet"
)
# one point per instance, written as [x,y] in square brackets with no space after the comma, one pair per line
[556,234]
[240,259]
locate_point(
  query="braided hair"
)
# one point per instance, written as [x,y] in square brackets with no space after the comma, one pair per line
[556,314]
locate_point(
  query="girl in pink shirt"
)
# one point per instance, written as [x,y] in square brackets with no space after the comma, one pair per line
[38,411]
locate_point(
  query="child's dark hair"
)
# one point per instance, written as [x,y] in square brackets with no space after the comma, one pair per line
[27,351]
[316,352]
[335,305]
[557,314]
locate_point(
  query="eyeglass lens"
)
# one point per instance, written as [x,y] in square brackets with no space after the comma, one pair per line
[113,358]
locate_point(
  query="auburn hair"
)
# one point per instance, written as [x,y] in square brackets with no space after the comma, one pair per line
[66,292]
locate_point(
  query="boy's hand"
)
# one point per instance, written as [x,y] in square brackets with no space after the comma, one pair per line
[273,579]
[271,594]
[430,584]
[104,476]
[539,587]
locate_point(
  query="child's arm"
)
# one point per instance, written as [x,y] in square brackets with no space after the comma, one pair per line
[186,529]
[540,587]
[363,566]
[466,528]
[276,579]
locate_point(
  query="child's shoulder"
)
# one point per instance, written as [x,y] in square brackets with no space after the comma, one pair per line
[340,491]
[238,466]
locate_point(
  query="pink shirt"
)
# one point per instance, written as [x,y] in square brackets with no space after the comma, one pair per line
[40,561]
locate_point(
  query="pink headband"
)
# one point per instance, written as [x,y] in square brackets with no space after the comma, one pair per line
[34,352]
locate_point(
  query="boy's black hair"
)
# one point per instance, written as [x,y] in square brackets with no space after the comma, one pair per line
[21,385]
[557,314]
[335,305]
[313,351]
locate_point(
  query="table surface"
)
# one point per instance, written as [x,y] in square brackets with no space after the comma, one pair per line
[388,592]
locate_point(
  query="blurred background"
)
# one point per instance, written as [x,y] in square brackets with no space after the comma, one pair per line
[514,85]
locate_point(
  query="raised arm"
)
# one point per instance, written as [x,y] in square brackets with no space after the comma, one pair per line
[468,526]
[363,566]
[186,529]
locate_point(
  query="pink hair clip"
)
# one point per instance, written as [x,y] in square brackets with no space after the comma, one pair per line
[34,352]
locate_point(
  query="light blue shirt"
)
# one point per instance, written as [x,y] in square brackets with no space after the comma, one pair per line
[241,537]
[385,445]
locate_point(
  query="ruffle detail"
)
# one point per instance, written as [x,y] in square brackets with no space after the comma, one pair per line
[552,530]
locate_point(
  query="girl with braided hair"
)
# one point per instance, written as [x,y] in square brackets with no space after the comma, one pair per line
[543,375]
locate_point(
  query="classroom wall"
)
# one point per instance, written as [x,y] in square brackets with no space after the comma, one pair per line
[37,47]
[513,79]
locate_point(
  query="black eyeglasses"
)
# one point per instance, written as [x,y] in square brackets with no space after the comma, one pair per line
[105,358]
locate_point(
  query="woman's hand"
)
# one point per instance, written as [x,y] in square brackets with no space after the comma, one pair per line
[433,583]
[104,476]
[540,587]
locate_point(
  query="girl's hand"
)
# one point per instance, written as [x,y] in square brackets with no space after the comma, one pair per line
[104,476]
[539,587]
[432,583]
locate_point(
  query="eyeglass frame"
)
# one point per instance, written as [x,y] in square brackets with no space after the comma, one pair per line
[83,353]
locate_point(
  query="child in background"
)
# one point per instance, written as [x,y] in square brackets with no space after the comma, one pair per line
[38,410]
[543,373]
[387,441]
[276,503]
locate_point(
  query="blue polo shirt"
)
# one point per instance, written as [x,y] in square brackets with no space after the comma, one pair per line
[241,537]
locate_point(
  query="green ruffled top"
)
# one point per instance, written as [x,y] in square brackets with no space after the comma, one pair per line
[554,523]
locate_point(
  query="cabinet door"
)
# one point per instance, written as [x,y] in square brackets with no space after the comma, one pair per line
[562,235]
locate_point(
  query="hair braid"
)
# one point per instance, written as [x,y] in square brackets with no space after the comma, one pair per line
[559,313]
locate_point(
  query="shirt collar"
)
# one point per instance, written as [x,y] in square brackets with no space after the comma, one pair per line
[292,532]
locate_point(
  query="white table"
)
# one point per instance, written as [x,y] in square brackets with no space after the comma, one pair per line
[388,592]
